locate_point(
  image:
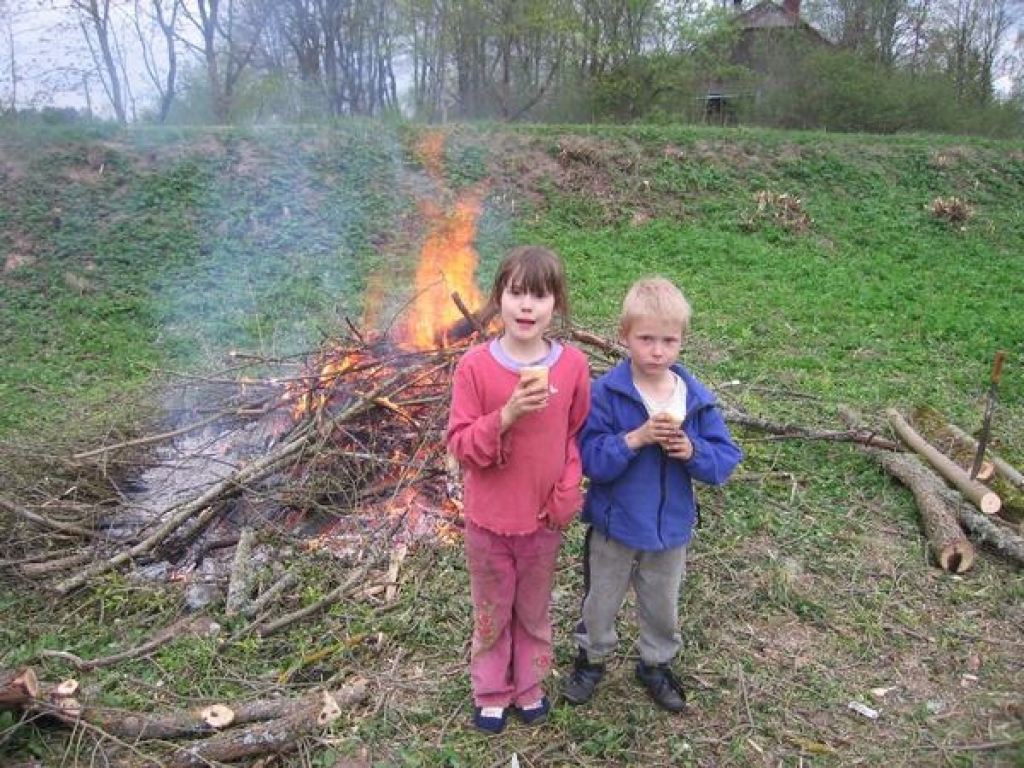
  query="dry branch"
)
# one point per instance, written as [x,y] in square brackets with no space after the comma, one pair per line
[149,439]
[194,625]
[265,598]
[344,589]
[858,435]
[42,521]
[987,501]
[33,570]
[240,585]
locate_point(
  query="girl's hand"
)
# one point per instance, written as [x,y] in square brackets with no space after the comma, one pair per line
[553,523]
[527,397]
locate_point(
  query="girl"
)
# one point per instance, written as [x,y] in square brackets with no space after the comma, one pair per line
[514,437]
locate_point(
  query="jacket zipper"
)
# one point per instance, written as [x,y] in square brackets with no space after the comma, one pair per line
[661,498]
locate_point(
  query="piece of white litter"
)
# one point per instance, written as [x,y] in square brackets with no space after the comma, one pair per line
[863,709]
[880,693]
[514,762]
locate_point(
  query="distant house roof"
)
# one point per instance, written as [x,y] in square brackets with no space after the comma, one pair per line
[770,15]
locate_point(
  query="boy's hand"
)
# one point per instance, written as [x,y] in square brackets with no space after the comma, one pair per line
[661,428]
[527,397]
[679,447]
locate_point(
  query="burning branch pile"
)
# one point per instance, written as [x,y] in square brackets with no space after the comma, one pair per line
[359,433]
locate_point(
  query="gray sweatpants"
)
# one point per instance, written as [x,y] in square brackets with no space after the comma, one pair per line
[609,569]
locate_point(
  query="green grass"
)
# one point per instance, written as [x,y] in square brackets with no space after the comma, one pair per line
[133,257]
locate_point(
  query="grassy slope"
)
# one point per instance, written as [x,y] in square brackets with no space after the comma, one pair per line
[810,584]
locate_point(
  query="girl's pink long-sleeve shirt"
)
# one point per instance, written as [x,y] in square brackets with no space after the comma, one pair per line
[509,479]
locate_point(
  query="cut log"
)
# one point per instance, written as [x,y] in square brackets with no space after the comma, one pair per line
[177,724]
[985,531]
[65,688]
[950,547]
[217,716]
[303,717]
[18,687]
[1002,467]
[947,542]
[978,494]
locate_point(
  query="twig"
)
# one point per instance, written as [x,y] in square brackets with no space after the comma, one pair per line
[466,313]
[45,522]
[152,438]
[269,595]
[587,337]
[197,625]
[793,431]
[743,694]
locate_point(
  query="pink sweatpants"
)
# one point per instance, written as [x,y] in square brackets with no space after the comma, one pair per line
[510,580]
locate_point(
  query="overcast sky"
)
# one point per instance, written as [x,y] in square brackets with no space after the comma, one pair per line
[44,48]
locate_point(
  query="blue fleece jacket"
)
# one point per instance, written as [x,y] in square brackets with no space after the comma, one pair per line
[643,499]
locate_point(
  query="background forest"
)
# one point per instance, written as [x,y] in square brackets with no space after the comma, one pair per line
[880,66]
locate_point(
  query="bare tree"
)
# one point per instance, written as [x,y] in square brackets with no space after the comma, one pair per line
[13,59]
[96,22]
[162,16]
[229,39]
[969,42]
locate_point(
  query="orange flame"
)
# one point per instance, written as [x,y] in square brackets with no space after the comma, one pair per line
[447,264]
[448,260]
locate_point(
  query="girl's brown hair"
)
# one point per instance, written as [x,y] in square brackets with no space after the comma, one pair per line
[535,269]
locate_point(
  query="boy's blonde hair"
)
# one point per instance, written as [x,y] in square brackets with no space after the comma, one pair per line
[655,297]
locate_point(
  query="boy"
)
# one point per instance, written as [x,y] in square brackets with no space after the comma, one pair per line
[652,430]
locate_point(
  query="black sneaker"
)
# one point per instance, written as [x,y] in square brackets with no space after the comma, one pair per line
[663,685]
[579,688]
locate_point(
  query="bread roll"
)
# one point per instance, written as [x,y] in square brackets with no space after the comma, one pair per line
[671,416]
[531,373]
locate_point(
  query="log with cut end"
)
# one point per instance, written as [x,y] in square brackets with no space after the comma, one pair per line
[949,545]
[18,687]
[65,688]
[947,541]
[217,716]
[979,495]
[1002,467]
[302,717]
